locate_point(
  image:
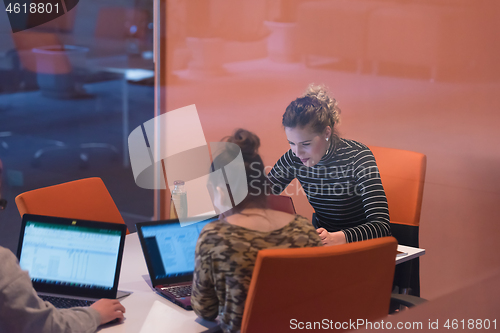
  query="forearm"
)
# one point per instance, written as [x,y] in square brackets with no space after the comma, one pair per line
[374,204]
[207,313]
[337,238]
[369,230]
[281,174]
[204,302]
[21,310]
[203,297]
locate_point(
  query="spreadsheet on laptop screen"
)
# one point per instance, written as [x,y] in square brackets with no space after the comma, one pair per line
[70,255]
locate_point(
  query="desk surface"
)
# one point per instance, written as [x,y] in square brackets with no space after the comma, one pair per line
[134,277]
[165,316]
[409,253]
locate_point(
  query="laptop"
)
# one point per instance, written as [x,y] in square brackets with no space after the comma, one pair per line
[71,262]
[168,248]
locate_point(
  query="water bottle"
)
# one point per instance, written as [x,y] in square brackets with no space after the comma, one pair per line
[178,201]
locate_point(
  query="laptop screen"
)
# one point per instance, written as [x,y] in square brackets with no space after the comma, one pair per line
[169,247]
[71,254]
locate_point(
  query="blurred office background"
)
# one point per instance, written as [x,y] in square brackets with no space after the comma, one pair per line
[71,90]
[418,75]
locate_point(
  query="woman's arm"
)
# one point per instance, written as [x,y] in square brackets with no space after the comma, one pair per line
[21,310]
[369,187]
[282,173]
[203,297]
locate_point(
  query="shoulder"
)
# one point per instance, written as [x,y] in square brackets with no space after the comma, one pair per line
[213,234]
[212,226]
[302,223]
[8,259]
[15,284]
[6,253]
[305,231]
[352,145]
[10,270]
[212,229]
[288,159]
[353,150]
[301,220]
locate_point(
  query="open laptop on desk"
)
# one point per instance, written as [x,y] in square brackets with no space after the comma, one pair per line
[169,248]
[71,262]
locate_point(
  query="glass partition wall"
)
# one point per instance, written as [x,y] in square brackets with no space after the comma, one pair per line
[71,90]
[414,75]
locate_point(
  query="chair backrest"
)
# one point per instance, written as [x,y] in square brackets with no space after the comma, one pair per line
[403,175]
[53,63]
[86,199]
[343,282]
[282,203]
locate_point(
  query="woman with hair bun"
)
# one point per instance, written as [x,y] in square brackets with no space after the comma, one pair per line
[339,176]
[227,249]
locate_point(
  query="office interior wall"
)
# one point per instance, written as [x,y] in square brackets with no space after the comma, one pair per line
[415,75]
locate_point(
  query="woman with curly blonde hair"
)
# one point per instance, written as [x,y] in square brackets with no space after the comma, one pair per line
[339,176]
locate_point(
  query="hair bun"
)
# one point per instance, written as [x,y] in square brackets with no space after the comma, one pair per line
[248,142]
[320,92]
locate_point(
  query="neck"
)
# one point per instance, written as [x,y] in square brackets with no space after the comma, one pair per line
[244,212]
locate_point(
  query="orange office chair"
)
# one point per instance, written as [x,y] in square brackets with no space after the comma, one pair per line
[403,174]
[345,282]
[86,199]
[281,203]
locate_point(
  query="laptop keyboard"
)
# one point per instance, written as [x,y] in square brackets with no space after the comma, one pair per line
[179,291]
[64,303]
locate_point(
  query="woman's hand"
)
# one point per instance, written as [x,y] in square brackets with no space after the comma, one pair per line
[331,238]
[109,309]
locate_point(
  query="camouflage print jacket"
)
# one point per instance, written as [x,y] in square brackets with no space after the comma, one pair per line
[225,258]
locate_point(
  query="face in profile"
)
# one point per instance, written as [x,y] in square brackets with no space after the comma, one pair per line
[308,145]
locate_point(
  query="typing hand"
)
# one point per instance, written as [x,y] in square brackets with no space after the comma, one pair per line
[109,309]
[331,238]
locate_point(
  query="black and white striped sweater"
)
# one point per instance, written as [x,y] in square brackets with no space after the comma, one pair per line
[344,189]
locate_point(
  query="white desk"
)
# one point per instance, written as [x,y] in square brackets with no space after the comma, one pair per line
[411,253]
[134,277]
[165,316]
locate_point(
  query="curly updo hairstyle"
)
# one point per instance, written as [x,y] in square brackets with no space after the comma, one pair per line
[315,109]
[256,179]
